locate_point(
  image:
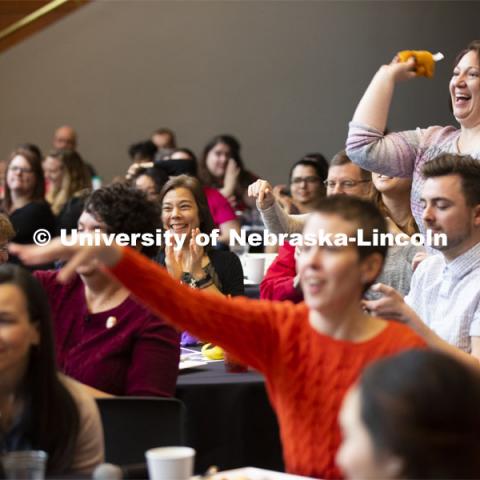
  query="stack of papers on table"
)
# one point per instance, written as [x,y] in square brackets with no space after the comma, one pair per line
[252,473]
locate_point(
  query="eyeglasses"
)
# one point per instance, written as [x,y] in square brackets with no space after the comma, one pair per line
[15,169]
[299,180]
[344,184]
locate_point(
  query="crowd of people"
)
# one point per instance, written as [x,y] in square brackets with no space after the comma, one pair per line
[370,353]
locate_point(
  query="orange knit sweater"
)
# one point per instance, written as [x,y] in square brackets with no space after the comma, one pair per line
[307,373]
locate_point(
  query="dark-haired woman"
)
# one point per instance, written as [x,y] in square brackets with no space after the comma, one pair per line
[24,200]
[185,211]
[306,184]
[105,339]
[402,154]
[221,166]
[412,416]
[41,410]
[150,181]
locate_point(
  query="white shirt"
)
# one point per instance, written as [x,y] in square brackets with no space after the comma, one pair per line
[446,296]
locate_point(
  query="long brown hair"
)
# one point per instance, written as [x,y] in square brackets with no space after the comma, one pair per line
[410,227]
[245,177]
[32,154]
[75,179]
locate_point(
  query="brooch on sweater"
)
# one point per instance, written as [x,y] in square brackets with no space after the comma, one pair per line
[111,322]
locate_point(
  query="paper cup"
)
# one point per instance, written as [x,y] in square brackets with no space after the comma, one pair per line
[254,268]
[170,463]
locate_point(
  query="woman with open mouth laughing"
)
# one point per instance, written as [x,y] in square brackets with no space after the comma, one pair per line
[402,154]
[185,214]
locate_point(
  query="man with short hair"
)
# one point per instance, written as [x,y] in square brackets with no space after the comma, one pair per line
[164,138]
[346,178]
[65,138]
[443,305]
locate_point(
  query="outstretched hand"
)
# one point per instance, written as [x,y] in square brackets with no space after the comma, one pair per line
[76,255]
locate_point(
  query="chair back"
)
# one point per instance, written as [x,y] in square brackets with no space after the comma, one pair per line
[132,425]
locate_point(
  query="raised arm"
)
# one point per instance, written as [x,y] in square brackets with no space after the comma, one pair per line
[374,106]
[393,154]
[274,217]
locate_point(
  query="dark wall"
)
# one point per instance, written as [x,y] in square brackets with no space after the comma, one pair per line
[283,76]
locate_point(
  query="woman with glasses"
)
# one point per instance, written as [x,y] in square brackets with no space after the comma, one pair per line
[306,184]
[24,200]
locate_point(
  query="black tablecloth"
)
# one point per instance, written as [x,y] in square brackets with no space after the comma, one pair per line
[230,422]
[252,291]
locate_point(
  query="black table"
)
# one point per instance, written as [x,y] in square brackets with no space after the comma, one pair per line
[230,422]
[252,291]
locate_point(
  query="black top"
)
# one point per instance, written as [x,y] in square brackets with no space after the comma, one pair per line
[27,220]
[68,217]
[227,268]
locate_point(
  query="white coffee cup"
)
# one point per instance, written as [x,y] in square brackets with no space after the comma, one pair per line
[170,463]
[254,267]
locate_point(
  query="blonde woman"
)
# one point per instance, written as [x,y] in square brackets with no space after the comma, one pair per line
[68,177]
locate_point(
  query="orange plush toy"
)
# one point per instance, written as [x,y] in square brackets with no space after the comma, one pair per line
[425,62]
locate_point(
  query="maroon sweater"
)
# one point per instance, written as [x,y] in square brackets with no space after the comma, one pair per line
[138,355]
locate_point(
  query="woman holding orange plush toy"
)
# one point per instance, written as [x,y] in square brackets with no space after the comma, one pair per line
[401,154]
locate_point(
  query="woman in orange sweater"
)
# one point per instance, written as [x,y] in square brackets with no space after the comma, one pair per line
[310,353]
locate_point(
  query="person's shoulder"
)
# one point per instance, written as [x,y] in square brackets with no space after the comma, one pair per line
[433,264]
[85,402]
[437,134]
[76,389]
[40,206]
[46,276]
[49,281]
[89,450]
[403,336]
